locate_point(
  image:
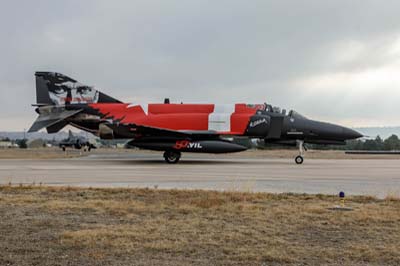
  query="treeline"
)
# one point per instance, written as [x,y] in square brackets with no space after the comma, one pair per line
[377,144]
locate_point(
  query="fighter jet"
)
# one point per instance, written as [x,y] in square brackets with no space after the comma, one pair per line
[76,142]
[175,128]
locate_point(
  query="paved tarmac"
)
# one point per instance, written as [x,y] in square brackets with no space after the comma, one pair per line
[357,177]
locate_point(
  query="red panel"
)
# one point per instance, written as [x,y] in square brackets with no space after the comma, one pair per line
[248,108]
[180,108]
[239,122]
[114,110]
[173,121]
[177,116]
[240,119]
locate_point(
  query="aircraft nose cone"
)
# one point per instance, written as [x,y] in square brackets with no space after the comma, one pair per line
[349,133]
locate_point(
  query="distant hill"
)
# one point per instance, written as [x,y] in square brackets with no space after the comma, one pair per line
[383,132]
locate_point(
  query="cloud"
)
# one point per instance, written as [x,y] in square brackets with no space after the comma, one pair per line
[312,55]
[369,92]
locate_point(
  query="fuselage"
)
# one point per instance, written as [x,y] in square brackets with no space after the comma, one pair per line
[250,120]
[225,119]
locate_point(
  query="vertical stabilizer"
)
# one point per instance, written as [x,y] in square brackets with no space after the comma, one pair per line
[57,89]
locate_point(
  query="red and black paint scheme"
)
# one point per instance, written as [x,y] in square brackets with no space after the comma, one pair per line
[174,128]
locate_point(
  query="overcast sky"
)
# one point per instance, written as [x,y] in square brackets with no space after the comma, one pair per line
[331,60]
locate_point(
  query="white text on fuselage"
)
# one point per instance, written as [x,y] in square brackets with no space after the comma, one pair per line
[185,144]
[258,122]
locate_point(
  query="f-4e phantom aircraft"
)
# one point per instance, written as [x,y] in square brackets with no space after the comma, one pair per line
[175,128]
[76,142]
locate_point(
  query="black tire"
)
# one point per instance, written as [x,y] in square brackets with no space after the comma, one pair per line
[172,157]
[299,159]
[63,148]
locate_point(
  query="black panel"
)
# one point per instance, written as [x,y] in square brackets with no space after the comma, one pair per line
[258,126]
[276,127]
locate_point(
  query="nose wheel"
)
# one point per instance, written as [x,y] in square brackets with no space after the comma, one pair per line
[172,157]
[300,158]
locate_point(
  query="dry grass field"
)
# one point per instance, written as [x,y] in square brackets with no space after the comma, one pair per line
[72,226]
[40,153]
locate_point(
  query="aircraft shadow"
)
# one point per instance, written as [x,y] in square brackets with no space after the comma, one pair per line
[194,162]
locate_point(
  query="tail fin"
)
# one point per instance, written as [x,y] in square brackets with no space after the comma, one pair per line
[57,89]
[70,135]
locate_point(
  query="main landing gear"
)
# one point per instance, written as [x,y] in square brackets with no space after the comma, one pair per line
[172,157]
[300,159]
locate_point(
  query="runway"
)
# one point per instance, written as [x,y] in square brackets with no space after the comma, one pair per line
[357,177]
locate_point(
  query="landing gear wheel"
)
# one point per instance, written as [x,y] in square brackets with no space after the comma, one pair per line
[172,157]
[299,159]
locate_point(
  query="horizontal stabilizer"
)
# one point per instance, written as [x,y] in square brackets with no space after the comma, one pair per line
[52,121]
[56,127]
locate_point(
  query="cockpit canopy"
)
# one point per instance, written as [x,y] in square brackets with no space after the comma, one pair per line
[278,110]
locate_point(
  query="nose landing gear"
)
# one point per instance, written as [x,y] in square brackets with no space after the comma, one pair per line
[300,158]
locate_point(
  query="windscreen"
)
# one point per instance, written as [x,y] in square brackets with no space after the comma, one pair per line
[295,114]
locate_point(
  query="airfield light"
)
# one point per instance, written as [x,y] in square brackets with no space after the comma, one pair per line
[341,196]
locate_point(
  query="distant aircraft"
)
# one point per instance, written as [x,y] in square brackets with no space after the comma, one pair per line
[76,142]
[175,128]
